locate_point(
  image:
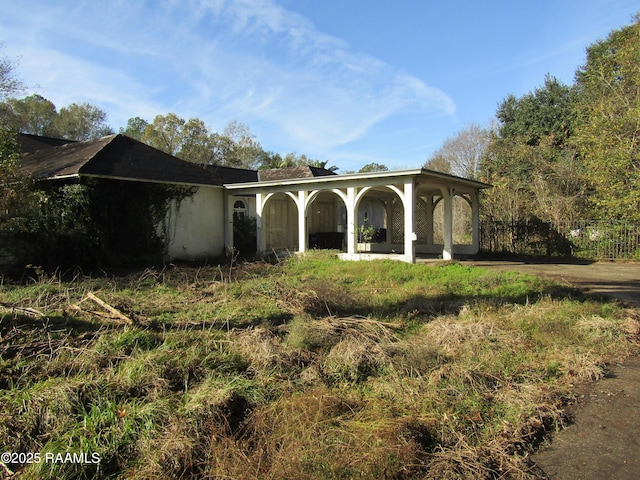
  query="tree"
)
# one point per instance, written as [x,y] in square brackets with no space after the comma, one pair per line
[135,128]
[270,160]
[608,132]
[165,133]
[529,160]
[322,164]
[33,114]
[240,148]
[545,113]
[462,152]
[36,115]
[14,187]
[9,83]
[438,163]
[373,167]
[191,140]
[82,122]
[198,144]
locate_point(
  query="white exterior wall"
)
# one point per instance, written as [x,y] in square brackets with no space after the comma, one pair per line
[195,227]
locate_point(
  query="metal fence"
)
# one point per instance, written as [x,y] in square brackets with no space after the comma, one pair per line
[601,240]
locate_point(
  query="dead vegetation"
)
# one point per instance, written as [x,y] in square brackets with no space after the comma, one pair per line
[268,371]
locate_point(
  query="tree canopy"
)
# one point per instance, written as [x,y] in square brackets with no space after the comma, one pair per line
[608,122]
[462,154]
[193,141]
[14,187]
[561,151]
[9,83]
[373,167]
[36,115]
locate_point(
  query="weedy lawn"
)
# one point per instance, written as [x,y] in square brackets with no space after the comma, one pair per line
[306,368]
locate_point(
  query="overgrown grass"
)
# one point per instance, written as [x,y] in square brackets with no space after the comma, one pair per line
[310,368]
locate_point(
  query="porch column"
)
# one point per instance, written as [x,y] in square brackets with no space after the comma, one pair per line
[351,220]
[475,221]
[302,221]
[261,241]
[409,222]
[388,212]
[428,200]
[447,199]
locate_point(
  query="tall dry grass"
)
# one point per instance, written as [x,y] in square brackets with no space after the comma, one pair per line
[312,368]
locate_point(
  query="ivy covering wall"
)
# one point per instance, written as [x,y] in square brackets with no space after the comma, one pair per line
[97,223]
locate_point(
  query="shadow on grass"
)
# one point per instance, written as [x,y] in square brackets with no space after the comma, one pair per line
[429,306]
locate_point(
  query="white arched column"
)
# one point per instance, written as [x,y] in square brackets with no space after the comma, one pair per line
[475,223]
[409,202]
[447,204]
[351,220]
[302,221]
[261,241]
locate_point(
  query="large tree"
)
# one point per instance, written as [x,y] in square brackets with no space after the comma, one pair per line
[374,167]
[9,82]
[529,160]
[13,186]
[239,147]
[608,132]
[81,121]
[36,115]
[191,140]
[462,154]
[33,114]
[165,133]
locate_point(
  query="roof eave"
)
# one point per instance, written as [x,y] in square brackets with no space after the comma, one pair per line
[146,180]
[359,176]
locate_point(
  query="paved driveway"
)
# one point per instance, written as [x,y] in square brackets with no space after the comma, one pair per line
[602,442]
[618,280]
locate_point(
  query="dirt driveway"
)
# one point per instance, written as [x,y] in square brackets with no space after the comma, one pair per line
[603,442]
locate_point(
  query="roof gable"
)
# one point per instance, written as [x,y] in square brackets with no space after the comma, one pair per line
[31,143]
[115,156]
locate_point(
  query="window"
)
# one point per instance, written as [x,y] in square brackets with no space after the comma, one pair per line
[239,210]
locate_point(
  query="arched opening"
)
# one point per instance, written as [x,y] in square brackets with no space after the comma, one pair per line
[280,223]
[380,221]
[327,221]
[462,221]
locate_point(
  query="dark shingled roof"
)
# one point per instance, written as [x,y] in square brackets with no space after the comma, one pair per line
[293,172]
[233,175]
[115,156]
[31,143]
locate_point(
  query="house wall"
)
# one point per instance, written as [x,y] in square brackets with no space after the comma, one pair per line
[194,227]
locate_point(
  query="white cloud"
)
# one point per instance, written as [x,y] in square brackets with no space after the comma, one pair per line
[218,60]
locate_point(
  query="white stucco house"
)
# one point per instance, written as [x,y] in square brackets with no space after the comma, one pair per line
[364,215]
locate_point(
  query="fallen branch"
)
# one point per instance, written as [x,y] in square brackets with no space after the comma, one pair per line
[114,311]
[29,312]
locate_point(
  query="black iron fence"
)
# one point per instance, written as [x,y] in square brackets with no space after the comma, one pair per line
[610,240]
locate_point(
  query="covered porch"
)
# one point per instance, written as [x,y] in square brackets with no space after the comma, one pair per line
[398,213]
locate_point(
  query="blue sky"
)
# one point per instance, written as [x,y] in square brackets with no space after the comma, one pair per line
[348,81]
